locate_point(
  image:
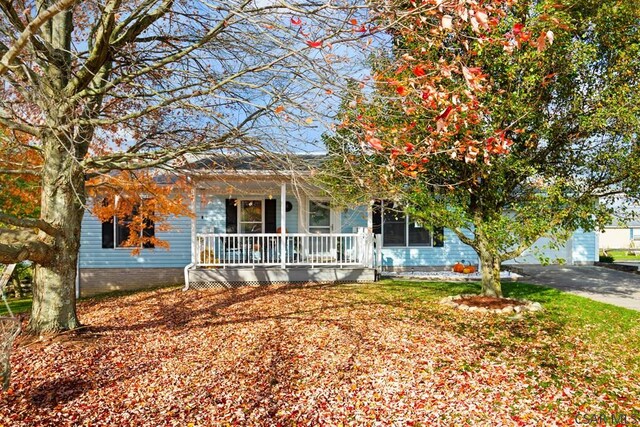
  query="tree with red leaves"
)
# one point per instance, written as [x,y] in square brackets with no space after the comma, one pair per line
[502,120]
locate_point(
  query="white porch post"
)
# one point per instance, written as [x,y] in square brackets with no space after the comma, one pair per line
[194,237]
[283,225]
[194,258]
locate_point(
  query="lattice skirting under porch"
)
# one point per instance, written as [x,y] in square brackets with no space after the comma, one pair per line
[228,285]
[234,277]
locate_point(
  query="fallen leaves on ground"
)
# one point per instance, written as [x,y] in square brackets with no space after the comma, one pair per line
[310,355]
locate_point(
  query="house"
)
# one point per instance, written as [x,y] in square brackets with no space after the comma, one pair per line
[623,231]
[620,235]
[257,223]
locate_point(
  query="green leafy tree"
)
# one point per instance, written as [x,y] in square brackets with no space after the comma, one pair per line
[504,129]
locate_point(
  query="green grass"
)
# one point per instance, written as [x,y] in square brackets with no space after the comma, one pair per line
[574,342]
[622,255]
[612,331]
[20,305]
[559,306]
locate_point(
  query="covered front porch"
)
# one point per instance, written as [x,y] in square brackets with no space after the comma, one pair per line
[241,235]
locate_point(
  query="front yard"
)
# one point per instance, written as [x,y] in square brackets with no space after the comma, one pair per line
[623,255]
[375,354]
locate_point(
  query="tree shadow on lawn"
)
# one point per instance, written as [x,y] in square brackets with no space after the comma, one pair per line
[59,391]
[534,334]
[276,343]
[93,372]
[176,310]
[520,290]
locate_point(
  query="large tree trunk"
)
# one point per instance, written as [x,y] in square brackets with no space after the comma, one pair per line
[490,268]
[63,192]
[62,206]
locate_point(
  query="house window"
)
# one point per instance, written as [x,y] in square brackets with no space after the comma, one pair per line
[399,230]
[319,217]
[116,232]
[250,218]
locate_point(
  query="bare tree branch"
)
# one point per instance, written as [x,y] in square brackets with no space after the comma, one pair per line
[22,245]
[29,31]
[22,127]
[20,172]
[464,238]
[29,223]
[100,38]
[126,78]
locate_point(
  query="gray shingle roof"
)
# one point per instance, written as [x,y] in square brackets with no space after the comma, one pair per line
[259,163]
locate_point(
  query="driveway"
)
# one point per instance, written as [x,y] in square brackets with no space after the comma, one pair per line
[598,283]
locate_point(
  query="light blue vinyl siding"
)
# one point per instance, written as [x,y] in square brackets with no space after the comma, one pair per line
[351,219]
[585,246]
[544,250]
[211,214]
[92,255]
[584,250]
[453,251]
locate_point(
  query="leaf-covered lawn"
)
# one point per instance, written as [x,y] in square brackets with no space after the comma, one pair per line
[376,354]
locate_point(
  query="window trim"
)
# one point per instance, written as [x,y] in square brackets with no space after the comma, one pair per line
[115,236]
[114,220]
[407,222]
[326,202]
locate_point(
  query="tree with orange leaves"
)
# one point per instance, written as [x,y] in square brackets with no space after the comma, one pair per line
[100,94]
[19,181]
[502,120]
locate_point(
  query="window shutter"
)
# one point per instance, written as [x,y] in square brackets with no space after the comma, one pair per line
[149,231]
[270,216]
[438,237]
[231,216]
[107,235]
[376,213]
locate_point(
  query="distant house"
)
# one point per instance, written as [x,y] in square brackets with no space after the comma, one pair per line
[620,235]
[257,223]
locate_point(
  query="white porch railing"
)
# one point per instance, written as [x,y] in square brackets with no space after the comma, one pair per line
[299,249]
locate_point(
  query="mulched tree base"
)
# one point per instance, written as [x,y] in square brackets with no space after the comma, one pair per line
[485,304]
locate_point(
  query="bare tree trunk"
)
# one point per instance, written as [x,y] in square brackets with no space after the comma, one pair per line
[63,191]
[490,268]
[62,206]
